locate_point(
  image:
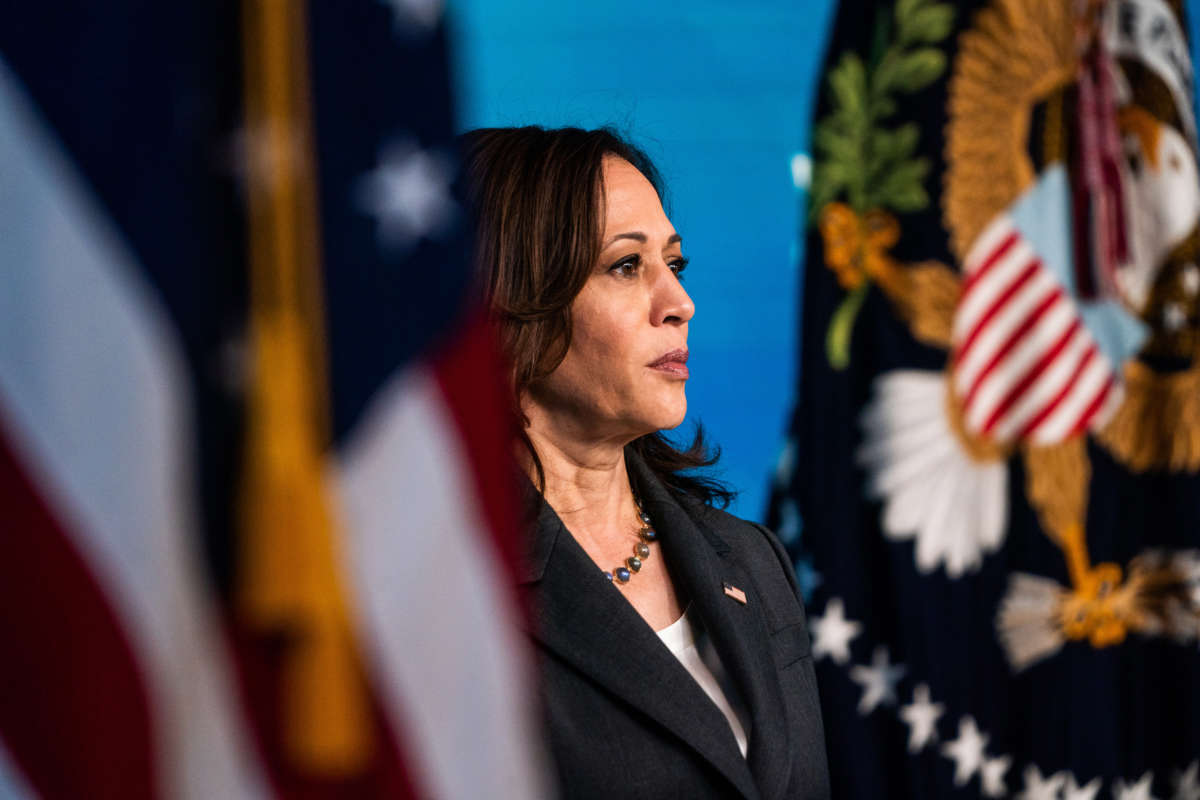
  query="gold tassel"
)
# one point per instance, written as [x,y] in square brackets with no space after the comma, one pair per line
[288,580]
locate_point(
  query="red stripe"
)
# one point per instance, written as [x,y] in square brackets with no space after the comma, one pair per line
[1026,275]
[995,256]
[1022,329]
[74,710]
[1085,358]
[470,375]
[1031,375]
[259,662]
[468,370]
[472,378]
[1094,406]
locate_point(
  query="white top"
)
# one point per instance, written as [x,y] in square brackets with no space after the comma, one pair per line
[680,639]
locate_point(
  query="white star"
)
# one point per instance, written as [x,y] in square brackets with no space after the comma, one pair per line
[966,751]
[1187,782]
[878,681]
[1174,317]
[1073,791]
[991,776]
[408,193]
[1039,788]
[408,14]
[1136,791]
[921,716]
[832,632]
[1190,278]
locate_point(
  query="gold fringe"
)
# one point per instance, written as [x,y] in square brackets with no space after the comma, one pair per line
[288,580]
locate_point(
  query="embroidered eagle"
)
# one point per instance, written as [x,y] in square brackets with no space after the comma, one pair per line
[1072,201]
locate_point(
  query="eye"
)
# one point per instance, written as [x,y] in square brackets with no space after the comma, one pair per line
[626,267]
[678,266]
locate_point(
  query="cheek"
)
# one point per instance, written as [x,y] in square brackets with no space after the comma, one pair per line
[601,341]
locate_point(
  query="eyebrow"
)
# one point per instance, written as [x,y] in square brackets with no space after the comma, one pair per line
[638,236]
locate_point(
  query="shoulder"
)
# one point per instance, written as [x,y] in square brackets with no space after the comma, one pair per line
[751,542]
[759,552]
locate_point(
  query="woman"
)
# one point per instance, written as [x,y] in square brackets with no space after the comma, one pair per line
[673,651]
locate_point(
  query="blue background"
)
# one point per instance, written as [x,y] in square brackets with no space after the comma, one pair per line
[720,97]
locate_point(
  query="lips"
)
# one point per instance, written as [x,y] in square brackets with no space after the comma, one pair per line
[673,363]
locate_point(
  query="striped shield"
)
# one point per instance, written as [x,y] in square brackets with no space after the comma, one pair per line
[1025,365]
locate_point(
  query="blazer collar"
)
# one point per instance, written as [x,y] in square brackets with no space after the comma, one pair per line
[585,620]
[738,631]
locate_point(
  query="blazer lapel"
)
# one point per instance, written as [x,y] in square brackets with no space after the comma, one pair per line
[584,619]
[700,563]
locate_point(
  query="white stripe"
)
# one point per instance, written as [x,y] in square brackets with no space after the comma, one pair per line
[1045,388]
[1058,425]
[13,785]
[980,297]
[1004,376]
[996,232]
[436,614]
[92,391]
[1002,326]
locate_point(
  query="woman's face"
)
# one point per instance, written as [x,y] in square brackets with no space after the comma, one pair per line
[625,372]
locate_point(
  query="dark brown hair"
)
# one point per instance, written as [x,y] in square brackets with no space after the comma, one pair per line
[538,197]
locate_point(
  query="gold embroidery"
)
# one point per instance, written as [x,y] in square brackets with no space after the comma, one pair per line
[1020,52]
[925,296]
[856,247]
[1146,127]
[1097,607]
[1158,425]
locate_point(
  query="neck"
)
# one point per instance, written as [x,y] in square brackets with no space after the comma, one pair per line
[586,482]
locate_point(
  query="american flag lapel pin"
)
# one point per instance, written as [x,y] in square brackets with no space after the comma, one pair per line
[734,592]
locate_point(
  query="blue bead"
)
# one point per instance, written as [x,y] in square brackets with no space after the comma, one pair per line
[645,518]
[621,574]
[608,576]
[649,535]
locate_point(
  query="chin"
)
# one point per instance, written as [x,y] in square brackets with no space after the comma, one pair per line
[670,418]
[657,411]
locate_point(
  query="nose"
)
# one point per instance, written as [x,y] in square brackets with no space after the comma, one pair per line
[671,303]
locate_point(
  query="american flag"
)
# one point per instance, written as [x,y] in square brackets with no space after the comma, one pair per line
[1025,365]
[255,517]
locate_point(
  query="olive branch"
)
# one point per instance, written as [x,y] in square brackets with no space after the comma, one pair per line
[872,165]
[856,154]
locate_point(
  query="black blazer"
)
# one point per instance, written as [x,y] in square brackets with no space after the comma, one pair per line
[623,717]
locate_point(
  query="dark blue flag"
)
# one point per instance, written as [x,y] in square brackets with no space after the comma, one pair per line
[991,483]
[254,431]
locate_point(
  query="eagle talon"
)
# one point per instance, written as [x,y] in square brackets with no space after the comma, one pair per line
[1098,609]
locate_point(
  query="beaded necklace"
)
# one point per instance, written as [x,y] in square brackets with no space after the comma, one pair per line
[646,536]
